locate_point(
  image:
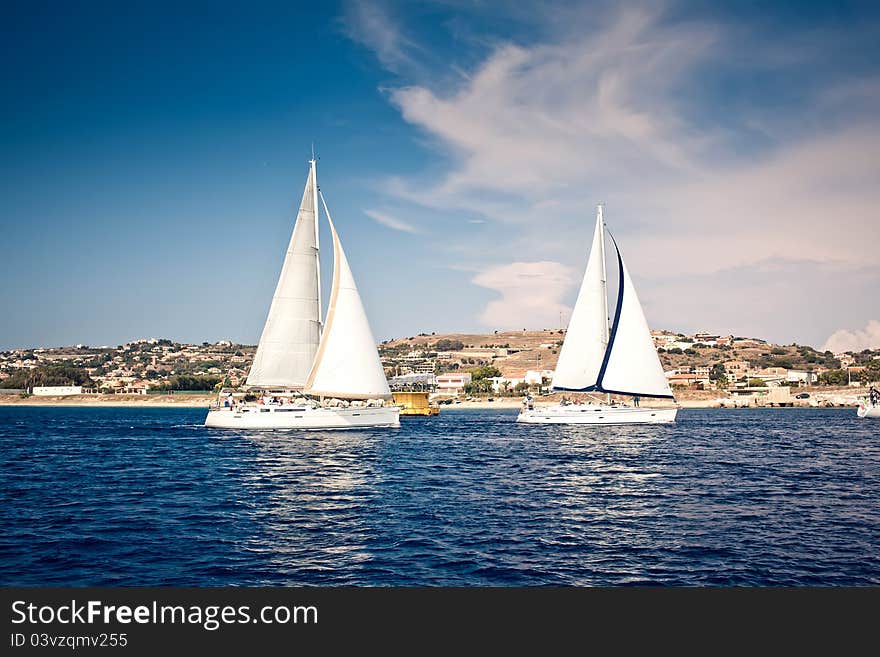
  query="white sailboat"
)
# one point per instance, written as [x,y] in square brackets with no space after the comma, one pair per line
[869,406]
[315,375]
[619,360]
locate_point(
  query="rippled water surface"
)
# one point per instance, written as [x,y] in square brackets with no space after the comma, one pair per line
[110,496]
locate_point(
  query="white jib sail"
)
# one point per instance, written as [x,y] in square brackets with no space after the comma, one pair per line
[293,328]
[633,364]
[347,364]
[583,349]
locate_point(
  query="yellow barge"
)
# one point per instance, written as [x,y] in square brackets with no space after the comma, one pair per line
[415,403]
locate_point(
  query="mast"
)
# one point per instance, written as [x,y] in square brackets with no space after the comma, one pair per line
[605,328]
[314,166]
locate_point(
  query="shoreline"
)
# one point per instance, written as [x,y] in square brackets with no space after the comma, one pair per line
[199,401]
[131,401]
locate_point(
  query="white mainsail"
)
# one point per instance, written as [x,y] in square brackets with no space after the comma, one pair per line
[632,366]
[624,361]
[292,331]
[347,364]
[583,349]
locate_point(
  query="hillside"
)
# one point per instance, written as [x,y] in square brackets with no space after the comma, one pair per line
[515,352]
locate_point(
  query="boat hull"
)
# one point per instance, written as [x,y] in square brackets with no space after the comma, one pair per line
[291,417]
[596,415]
[868,411]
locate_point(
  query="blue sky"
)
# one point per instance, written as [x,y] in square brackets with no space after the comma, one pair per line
[153,157]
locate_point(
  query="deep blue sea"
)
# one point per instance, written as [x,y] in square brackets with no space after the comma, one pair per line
[131,496]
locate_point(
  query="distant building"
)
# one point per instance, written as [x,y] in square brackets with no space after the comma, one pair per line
[404,380]
[737,368]
[772,375]
[679,344]
[52,391]
[662,339]
[498,383]
[688,380]
[452,384]
[536,377]
[801,377]
[137,388]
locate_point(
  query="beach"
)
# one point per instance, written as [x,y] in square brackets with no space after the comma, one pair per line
[824,396]
[156,401]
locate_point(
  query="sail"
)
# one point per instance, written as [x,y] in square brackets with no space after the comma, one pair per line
[293,328]
[631,366]
[347,364]
[583,349]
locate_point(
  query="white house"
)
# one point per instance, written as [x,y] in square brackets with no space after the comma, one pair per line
[452,383]
[499,381]
[535,377]
[52,391]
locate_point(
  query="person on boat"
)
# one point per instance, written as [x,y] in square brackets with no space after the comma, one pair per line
[636,401]
[874,396]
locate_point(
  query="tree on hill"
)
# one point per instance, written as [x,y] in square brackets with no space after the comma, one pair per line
[477,387]
[50,375]
[186,382]
[449,345]
[871,373]
[834,378]
[757,383]
[484,372]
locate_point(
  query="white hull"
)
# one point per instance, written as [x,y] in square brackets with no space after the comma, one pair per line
[596,414]
[256,416]
[869,411]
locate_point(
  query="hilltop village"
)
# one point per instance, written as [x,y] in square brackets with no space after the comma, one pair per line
[503,363]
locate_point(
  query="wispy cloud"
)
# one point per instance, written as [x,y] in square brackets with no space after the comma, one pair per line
[371,25]
[391,222]
[855,340]
[531,294]
[698,183]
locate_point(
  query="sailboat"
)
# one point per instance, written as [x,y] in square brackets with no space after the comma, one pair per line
[595,358]
[870,406]
[314,374]
[867,409]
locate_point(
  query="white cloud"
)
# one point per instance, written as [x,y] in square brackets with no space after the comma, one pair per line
[531,294]
[698,196]
[369,24]
[391,222]
[534,121]
[854,340]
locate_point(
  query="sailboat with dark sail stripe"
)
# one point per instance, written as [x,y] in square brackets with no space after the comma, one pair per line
[597,358]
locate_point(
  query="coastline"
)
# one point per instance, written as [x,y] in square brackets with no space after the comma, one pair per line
[137,401]
[821,399]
